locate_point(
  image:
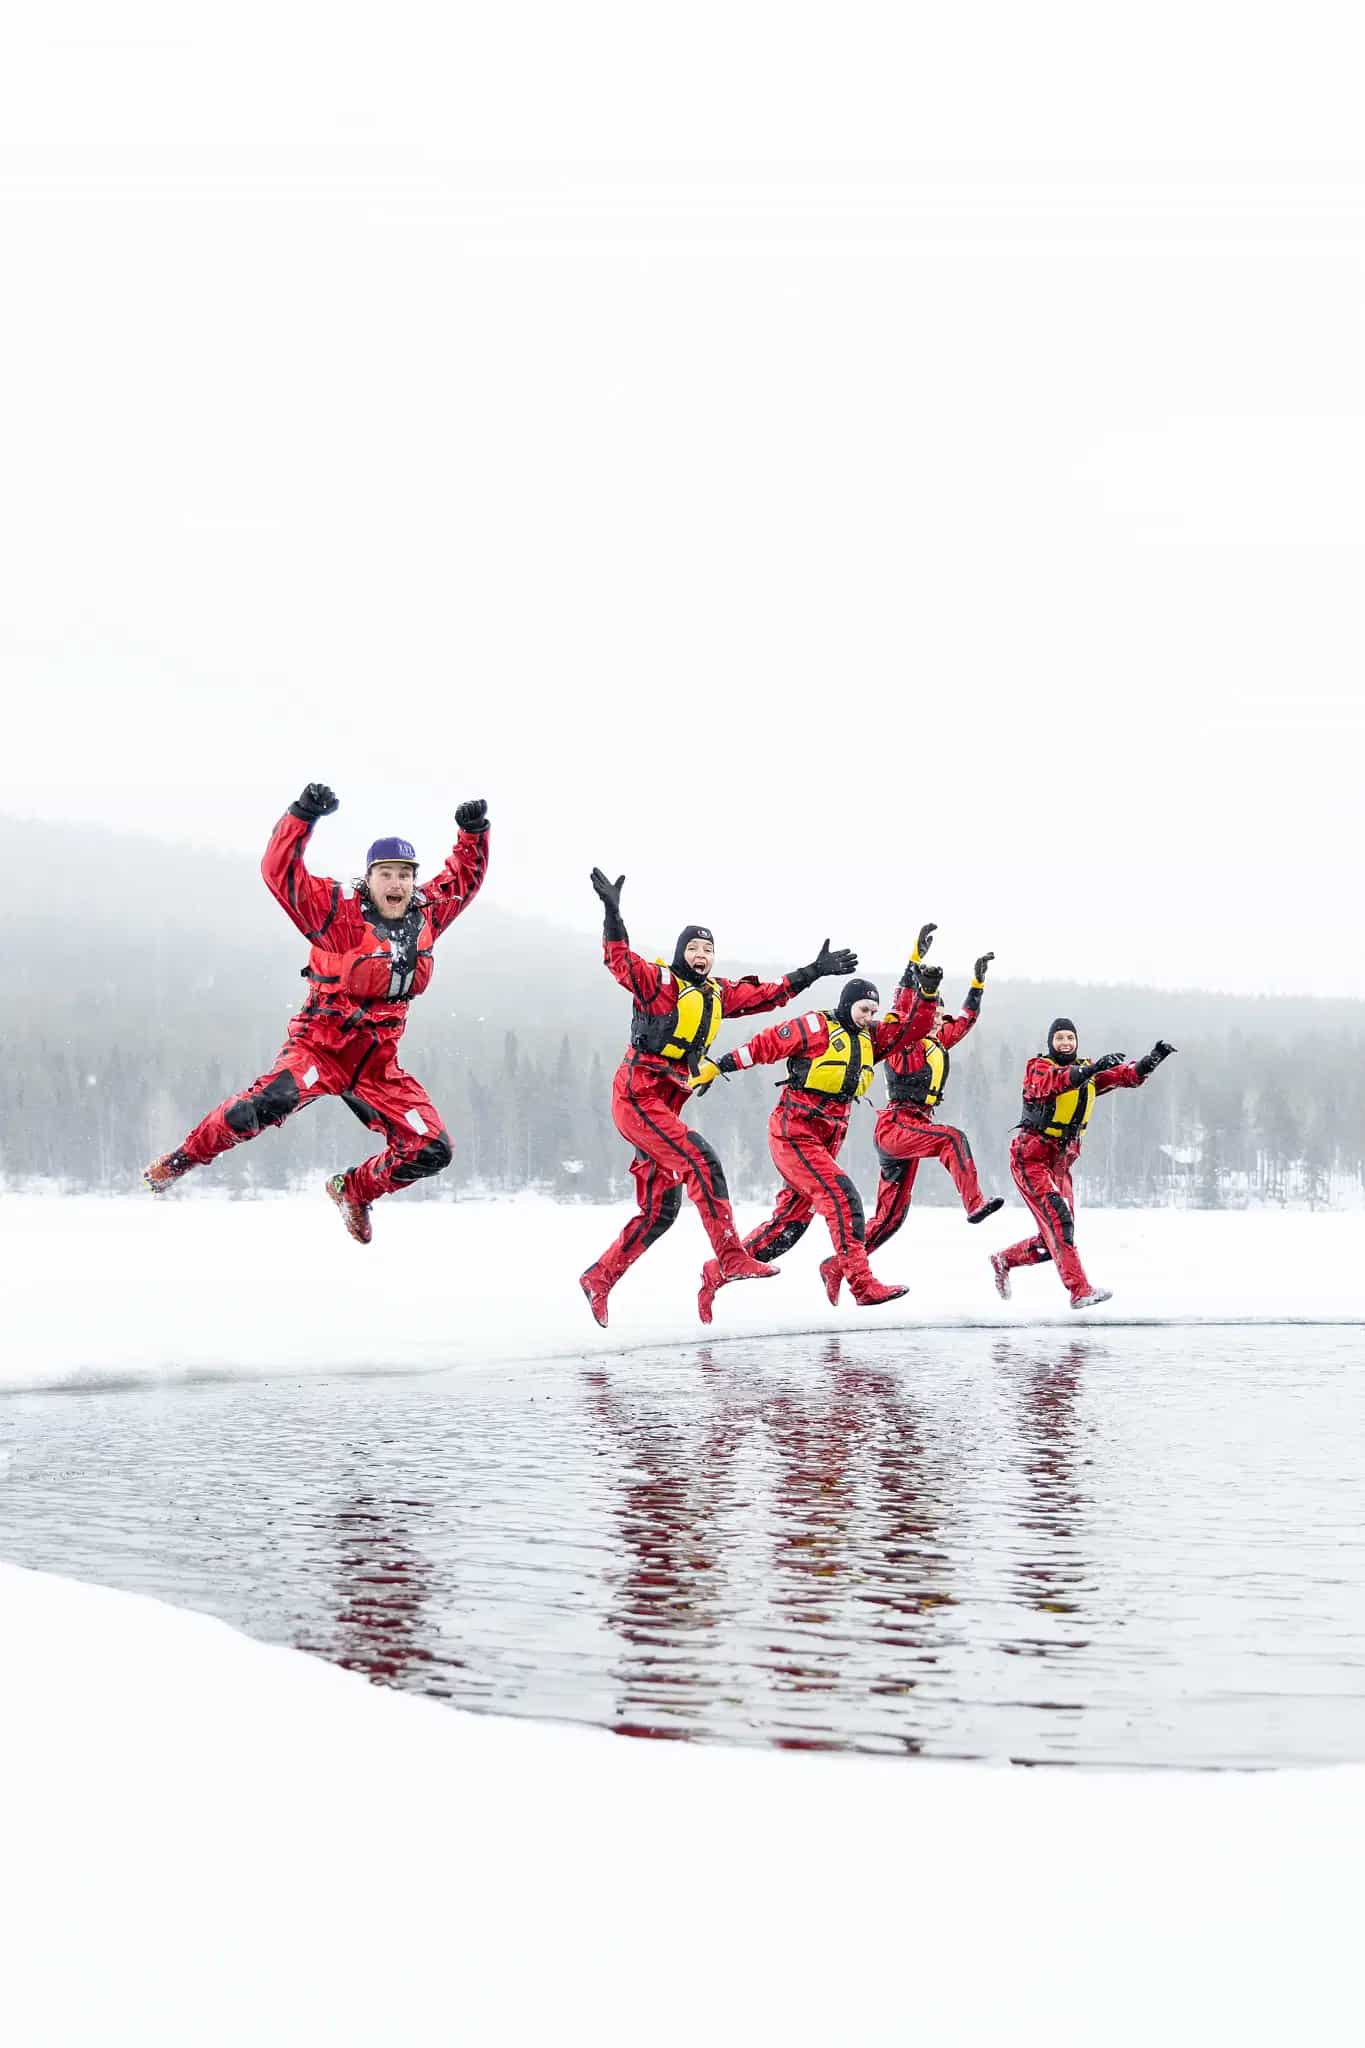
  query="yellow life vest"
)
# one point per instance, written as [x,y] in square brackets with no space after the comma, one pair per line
[1070,1113]
[835,1071]
[685,1032]
[925,1085]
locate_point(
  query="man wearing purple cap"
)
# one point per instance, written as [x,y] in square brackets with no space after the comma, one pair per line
[370,954]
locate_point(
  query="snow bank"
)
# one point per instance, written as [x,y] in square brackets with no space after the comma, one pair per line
[207,1840]
[140,1287]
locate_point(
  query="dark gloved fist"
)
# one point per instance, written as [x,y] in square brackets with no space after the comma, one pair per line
[1106,1061]
[472,816]
[727,1064]
[925,940]
[983,962]
[840,961]
[1150,1061]
[317,801]
[930,980]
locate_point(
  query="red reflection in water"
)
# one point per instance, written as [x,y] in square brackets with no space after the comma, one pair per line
[383,1584]
[1051,1580]
[850,1511]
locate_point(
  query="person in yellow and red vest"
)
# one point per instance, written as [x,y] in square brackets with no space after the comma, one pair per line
[907,1129]
[830,1057]
[1059,1094]
[370,956]
[678,1008]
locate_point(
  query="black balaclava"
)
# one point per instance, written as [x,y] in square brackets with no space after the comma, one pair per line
[1059,1024]
[685,938]
[855,991]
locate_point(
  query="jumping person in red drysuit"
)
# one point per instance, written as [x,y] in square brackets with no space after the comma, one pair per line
[370,955]
[678,1009]
[1059,1094]
[830,1057]
[906,1134]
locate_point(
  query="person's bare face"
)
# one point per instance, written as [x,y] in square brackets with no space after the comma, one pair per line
[700,956]
[1064,1044]
[391,883]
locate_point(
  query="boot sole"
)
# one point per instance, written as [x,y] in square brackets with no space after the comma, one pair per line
[991,1208]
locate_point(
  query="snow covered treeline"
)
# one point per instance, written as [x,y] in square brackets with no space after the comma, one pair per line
[148,984]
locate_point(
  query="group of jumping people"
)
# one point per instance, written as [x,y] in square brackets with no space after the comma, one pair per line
[370,954]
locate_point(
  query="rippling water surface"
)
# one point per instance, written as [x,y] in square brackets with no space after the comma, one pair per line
[1137,1546]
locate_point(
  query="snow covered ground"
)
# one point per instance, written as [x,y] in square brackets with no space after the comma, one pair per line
[209,1841]
[141,1287]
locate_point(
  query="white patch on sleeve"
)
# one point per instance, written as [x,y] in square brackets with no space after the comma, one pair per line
[415,1118]
[310,1077]
[744,1056]
[814,1019]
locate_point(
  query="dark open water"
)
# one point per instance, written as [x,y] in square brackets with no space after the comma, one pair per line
[1139,1546]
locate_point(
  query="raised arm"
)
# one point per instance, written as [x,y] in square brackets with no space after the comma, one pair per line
[910,1021]
[456,885]
[308,901]
[953,1030]
[643,979]
[749,997]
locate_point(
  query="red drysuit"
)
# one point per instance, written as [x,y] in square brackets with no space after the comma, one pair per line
[344,1043]
[807,1129]
[647,1098]
[907,1132]
[1042,1168]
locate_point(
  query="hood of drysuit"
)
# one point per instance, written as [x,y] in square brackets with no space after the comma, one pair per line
[856,991]
[1060,1024]
[685,938]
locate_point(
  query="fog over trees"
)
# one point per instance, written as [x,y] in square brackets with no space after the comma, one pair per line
[143,982]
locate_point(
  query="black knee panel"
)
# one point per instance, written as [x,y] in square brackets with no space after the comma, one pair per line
[892,1169]
[855,1205]
[278,1099]
[712,1170]
[433,1157]
[1066,1228]
[242,1119]
[669,1205]
[790,1234]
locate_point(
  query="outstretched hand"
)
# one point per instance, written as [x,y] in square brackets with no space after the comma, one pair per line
[472,816]
[925,940]
[610,892]
[1150,1061]
[983,962]
[1107,1061]
[317,801]
[840,961]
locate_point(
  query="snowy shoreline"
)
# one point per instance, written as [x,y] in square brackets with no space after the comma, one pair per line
[216,1841]
[139,1289]
[213,1840]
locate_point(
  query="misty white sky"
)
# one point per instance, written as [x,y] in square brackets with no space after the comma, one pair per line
[840,466]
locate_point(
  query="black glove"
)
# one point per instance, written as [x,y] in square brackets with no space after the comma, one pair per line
[983,962]
[1150,1061]
[1088,1069]
[473,816]
[930,979]
[317,801]
[727,1064]
[1108,1060]
[610,893]
[825,962]
[925,940]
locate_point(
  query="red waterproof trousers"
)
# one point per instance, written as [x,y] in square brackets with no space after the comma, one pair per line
[806,1133]
[905,1135]
[1042,1173]
[646,1106]
[361,1066]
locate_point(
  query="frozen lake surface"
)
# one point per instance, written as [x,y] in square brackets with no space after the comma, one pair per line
[1122,1546]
